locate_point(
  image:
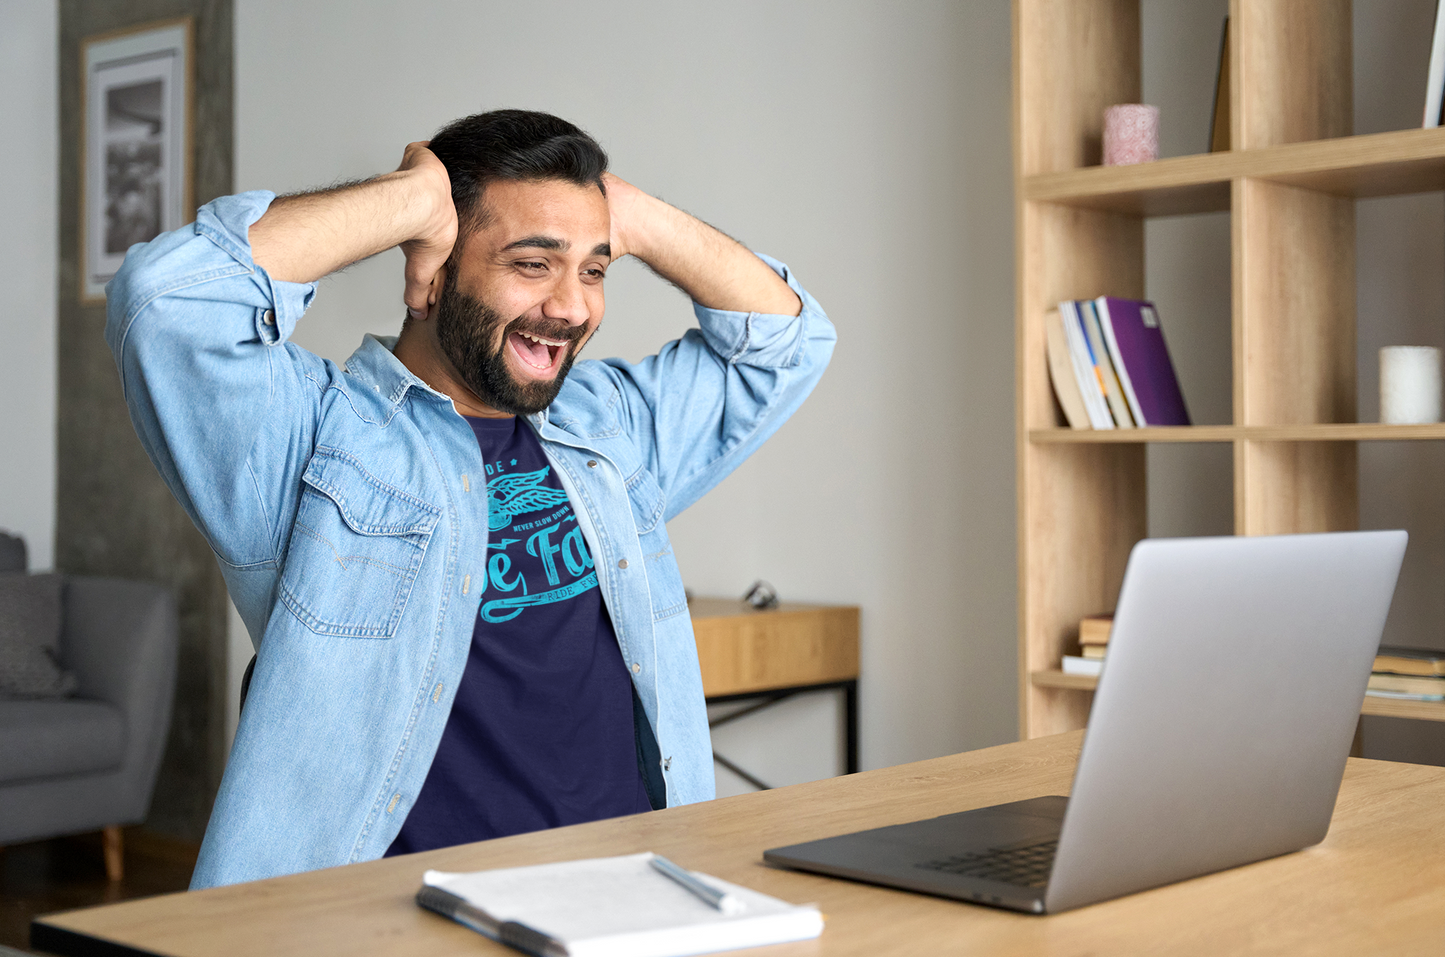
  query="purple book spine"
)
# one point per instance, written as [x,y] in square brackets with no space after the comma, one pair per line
[1146,358]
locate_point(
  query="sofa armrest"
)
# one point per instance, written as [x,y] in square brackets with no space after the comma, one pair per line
[121,639]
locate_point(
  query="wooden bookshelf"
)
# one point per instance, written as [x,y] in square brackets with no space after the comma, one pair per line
[1290,186]
[1383,707]
[1327,432]
[1381,164]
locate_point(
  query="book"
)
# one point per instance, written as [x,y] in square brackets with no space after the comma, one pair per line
[1061,372]
[1402,695]
[612,906]
[1430,685]
[1219,126]
[1095,629]
[1435,80]
[1093,652]
[1104,366]
[1132,330]
[1409,661]
[1090,387]
[1079,665]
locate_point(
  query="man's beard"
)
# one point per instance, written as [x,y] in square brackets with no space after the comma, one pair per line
[466,329]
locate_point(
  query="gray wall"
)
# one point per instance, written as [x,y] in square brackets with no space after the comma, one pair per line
[868,146]
[114,515]
[27,274]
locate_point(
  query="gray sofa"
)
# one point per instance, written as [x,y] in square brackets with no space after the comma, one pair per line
[89,762]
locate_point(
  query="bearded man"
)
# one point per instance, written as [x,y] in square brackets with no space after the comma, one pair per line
[450,553]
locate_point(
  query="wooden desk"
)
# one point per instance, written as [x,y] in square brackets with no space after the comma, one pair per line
[772,654]
[1376,885]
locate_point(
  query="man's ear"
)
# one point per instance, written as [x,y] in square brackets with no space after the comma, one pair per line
[434,291]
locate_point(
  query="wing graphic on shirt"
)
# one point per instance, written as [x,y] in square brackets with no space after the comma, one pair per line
[511,495]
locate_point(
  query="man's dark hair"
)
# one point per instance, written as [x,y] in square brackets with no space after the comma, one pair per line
[515,145]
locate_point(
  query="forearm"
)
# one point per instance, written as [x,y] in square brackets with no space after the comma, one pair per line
[715,270]
[304,237]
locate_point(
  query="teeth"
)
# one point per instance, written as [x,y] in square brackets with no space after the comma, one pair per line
[545,342]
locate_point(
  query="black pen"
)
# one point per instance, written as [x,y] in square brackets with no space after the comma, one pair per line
[513,933]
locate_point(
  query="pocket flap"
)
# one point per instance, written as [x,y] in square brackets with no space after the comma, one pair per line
[368,505]
[648,502]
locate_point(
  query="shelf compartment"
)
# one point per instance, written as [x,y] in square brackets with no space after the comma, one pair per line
[1329,432]
[1378,164]
[1378,707]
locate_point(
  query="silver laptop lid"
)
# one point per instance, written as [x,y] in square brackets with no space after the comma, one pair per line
[1219,731]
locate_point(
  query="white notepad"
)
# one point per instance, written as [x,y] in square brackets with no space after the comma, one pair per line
[615,906]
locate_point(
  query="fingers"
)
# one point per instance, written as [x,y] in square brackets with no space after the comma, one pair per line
[414,153]
[422,291]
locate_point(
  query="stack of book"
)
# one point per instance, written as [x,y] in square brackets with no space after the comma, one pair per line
[1110,367]
[1093,643]
[1409,674]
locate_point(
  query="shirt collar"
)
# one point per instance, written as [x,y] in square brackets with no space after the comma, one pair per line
[373,364]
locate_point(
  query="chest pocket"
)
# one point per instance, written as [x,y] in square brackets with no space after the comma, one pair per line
[355,549]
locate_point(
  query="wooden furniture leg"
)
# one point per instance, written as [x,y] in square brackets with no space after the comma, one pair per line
[114,853]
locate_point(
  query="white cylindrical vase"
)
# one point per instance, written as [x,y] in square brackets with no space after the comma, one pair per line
[1409,385]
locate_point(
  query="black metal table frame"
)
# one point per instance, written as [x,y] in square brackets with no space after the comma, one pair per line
[772,696]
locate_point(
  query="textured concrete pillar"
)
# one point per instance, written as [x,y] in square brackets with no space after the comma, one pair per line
[114,515]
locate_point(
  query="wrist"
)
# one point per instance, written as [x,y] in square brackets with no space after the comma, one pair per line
[423,203]
[644,228]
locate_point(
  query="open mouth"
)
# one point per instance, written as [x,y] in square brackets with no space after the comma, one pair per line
[537,353]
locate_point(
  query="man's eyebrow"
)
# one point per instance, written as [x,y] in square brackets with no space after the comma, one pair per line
[539,242]
[602,249]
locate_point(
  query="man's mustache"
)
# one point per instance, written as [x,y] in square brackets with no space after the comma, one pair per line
[557,332]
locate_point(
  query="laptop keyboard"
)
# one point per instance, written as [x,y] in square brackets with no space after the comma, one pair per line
[1026,866]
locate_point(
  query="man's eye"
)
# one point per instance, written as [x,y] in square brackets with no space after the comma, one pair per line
[532,265]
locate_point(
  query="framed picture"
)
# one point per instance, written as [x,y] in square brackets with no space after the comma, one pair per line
[135,144]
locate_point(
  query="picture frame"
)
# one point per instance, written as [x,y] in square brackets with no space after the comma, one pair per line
[137,94]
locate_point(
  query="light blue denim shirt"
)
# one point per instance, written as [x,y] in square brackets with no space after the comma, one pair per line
[347,508]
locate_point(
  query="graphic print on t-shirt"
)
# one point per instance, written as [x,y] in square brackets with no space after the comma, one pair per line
[542,731]
[524,513]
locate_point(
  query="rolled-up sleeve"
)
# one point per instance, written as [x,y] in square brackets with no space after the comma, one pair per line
[707,401]
[199,333]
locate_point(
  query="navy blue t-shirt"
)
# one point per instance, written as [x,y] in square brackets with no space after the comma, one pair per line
[540,734]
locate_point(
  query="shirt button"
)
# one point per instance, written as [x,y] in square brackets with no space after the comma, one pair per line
[636,668]
[622,564]
[591,463]
[268,317]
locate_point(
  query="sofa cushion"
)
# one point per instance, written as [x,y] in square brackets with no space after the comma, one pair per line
[45,739]
[30,638]
[12,553]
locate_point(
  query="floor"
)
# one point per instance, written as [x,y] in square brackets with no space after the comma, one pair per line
[69,872]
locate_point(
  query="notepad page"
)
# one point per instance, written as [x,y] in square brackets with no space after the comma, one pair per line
[622,905]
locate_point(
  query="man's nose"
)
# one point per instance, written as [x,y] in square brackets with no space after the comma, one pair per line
[568,302]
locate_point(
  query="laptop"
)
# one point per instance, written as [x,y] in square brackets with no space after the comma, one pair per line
[1218,734]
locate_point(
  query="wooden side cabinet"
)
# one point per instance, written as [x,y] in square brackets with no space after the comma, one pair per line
[763,656]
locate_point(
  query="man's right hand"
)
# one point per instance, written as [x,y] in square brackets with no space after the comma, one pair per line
[427,252]
[304,237]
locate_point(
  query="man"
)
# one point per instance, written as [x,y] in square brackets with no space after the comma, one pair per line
[450,553]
